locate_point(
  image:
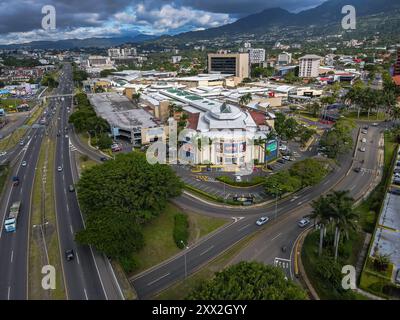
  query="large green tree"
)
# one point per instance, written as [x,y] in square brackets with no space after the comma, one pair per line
[118,197]
[249,281]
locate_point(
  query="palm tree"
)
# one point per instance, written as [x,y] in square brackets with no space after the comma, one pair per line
[246,99]
[322,216]
[344,217]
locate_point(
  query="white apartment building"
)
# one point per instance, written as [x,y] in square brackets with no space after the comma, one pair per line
[256,55]
[309,66]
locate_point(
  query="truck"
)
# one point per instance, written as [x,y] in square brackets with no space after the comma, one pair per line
[10,223]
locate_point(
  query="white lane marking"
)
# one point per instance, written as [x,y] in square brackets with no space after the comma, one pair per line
[86,296]
[12,256]
[8,294]
[300,203]
[276,237]
[204,252]
[158,279]
[77,257]
[72,231]
[242,228]
[327,182]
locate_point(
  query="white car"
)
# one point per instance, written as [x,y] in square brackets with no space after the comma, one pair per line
[23,163]
[59,169]
[287,158]
[362,149]
[262,221]
[364,140]
[303,222]
[282,147]
[3,153]
[238,179]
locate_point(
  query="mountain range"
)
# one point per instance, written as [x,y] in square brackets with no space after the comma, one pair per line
[82,43]
[327,13]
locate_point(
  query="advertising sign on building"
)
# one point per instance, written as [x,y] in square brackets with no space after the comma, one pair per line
[272,147]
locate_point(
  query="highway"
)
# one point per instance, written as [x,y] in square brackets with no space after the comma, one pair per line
[83,278]
[14,246]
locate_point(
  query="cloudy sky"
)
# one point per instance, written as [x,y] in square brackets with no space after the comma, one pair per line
[21,20]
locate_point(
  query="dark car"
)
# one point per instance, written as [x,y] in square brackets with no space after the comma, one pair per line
[358,170]
[281,161]
[103,159]
[269,167]
[395,191]
[69,255]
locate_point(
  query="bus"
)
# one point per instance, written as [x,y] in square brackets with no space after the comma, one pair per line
[10,223]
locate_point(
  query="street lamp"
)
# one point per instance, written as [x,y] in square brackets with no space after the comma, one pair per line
[276,201]
[186,247]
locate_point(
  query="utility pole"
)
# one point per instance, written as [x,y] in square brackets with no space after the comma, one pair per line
[186,247]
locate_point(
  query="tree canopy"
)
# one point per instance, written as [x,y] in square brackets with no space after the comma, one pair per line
[248,281]
[118,197]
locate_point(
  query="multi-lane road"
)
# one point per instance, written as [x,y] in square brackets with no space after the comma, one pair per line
[89,275]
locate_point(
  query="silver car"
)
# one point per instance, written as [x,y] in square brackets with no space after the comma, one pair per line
[303,222]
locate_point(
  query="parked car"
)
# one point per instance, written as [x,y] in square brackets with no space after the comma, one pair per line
[358,170]
[395,191]
[362,149]
[287,158]
[3,153]
[363,140]
[22,142]
[375,124]
[281,161]
[103,159]
[262,221]
[303,222]
[238,178]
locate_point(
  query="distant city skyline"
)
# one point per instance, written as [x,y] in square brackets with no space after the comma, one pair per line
[20,21]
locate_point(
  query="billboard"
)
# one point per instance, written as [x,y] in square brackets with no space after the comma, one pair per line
[272,147]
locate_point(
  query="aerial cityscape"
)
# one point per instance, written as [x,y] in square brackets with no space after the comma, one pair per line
[186,150]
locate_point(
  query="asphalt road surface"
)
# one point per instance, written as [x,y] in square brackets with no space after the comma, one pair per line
[89,276]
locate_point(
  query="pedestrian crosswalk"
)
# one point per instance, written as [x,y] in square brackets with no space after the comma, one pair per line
[72,147]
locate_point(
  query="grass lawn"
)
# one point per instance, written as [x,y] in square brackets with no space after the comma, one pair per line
[181,289]
[85,162]
[35,116]
[309,256]
[158,236]
[11,140]
[3,176]
[373,116]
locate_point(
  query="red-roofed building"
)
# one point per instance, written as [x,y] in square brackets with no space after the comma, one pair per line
[396,80]
[258,117]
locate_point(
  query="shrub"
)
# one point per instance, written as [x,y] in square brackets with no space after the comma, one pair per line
[181,230]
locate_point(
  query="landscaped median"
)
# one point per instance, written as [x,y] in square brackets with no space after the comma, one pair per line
[43,241]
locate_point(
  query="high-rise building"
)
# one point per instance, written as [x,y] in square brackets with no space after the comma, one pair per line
[257,55]
[237,64]
[309,66]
